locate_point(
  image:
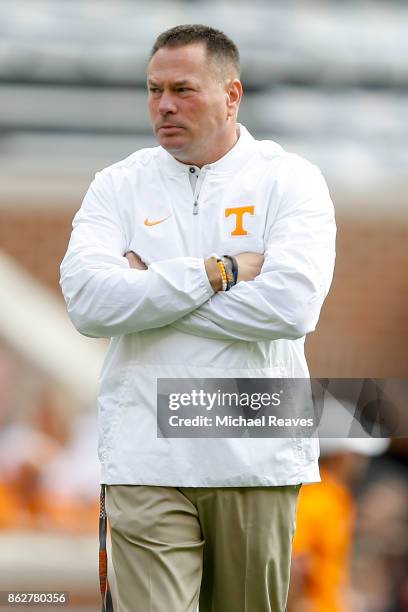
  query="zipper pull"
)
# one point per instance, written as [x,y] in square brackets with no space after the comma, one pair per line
[195,208]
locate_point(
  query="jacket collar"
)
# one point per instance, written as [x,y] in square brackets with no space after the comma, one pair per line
[232,160]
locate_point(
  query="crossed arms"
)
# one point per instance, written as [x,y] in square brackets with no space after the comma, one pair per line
[279,295]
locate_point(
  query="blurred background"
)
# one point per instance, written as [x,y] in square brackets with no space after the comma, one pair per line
[327,80]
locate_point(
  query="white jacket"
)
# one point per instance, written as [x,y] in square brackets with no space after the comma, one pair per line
[167,322]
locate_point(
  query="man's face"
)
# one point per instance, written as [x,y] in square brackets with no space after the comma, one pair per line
[188,102]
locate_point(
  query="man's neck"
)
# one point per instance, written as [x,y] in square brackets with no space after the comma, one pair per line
[210,158]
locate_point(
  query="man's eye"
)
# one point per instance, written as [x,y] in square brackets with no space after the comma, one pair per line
[184,89]
[154,90]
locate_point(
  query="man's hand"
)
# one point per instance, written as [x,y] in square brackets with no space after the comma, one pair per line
[249,266]
[135,261]
[213,273]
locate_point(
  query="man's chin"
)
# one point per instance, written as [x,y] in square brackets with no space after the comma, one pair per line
[172,145]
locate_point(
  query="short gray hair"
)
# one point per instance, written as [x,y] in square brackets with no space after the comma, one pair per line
[218,45]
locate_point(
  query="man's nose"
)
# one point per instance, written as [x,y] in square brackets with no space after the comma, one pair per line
[167,104]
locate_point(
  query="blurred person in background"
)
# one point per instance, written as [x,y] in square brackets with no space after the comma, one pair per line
[27,445]
[47,467]
[380,552]
[322,547]
[199,519]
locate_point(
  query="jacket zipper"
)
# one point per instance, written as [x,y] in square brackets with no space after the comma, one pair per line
[196,208]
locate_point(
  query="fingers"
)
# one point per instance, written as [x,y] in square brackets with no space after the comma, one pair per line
[249,265]
[250,258]
[135,261]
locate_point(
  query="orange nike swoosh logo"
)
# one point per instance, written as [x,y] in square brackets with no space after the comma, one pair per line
[150,223]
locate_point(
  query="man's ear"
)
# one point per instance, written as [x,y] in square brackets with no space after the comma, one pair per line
[233,92]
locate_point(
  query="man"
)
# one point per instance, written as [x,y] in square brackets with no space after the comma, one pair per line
[210,519]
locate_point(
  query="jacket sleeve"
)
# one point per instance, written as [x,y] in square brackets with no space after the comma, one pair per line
[104,296]
[284,301]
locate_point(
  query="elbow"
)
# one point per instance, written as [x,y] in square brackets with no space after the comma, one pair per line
[82,312]
[80,319]
[87,326]
[306,311]
[300,328]
[305,320]
[288,330]
[87,320]
[301,322]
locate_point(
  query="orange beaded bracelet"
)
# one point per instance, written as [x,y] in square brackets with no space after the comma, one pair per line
[221,267]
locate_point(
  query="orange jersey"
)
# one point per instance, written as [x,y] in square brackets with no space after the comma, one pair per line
[325,521]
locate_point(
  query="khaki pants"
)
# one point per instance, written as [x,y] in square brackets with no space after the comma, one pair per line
[227,549]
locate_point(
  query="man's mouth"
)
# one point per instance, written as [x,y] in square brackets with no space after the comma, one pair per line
[169,126]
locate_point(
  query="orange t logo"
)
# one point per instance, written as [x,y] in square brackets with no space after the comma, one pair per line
[239,212]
